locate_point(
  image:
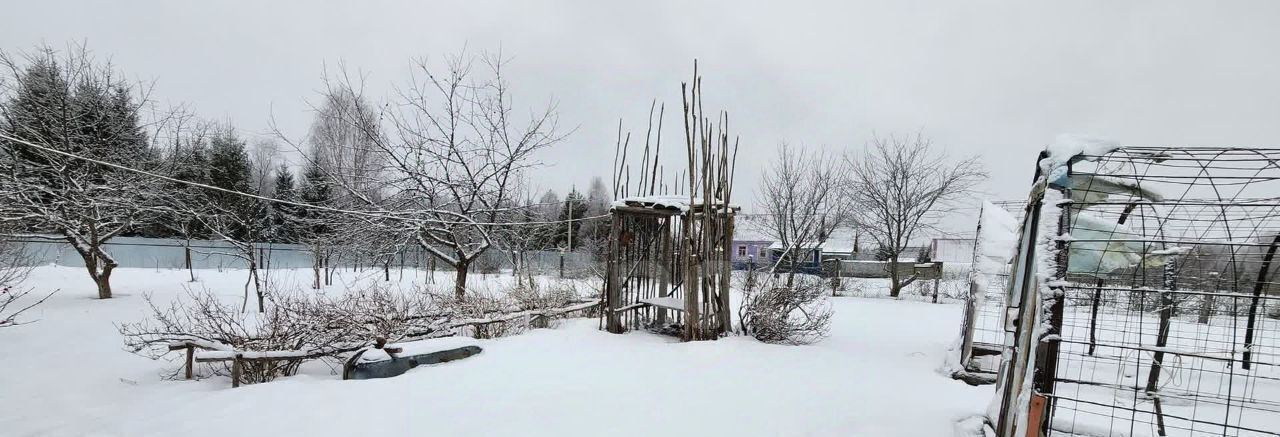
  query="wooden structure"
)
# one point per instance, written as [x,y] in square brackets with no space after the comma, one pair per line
[670,256]
[668,267]
[202,352]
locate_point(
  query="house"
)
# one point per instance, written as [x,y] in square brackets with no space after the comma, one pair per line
[749,252]
[751,243]
[806,258]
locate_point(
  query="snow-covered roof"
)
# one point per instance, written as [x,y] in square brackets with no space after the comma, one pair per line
[778,245]
[747,227]
[840,241]
[668,202]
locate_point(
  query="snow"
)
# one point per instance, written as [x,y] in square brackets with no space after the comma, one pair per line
[675,202]
[658,201]
[227,355]
[665,302]
[419,347]
[1068,146]
[874,376]
[996,242]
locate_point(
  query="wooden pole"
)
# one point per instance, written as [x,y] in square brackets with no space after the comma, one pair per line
[936,282]
[664,268]
[237,368]
[191,352]
[726,321]
[612,287]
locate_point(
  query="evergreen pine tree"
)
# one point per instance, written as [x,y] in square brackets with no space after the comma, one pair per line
[285,216]
[575,207]
[35,112]
[315,190]
[229,169]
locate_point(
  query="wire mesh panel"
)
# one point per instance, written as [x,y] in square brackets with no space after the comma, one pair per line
[1159,312]
[983,323]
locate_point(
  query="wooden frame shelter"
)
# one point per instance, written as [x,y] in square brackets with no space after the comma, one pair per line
[668,267]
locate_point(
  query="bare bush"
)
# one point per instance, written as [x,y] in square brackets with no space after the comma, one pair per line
[534,295]
[774,312]
[203,320]
[315,327]
[14,267]
[477,314]
[372,311]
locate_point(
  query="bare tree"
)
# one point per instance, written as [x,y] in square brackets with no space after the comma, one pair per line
[800,201]
[517,240]
[902,187]
[452,155]
[187,160]
[264,157]
[345,142]
[59,109]
[241,229]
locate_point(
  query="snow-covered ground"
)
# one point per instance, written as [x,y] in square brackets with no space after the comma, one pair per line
[67,374]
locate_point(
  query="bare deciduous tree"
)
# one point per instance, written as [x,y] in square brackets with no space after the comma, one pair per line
[800,200]
[264,157]
[452,155]
[902,187]
[60,104]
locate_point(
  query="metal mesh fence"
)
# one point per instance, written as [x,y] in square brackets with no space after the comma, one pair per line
[1159,315]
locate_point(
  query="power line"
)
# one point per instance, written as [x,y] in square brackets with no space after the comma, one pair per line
[282,201]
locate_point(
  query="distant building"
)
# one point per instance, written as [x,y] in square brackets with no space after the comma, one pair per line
[952,250]
[748,252]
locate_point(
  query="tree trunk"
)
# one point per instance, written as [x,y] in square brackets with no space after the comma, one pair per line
[101,276]
[460,282]
[257,285]
[186,253]
[894,288]
[104,281]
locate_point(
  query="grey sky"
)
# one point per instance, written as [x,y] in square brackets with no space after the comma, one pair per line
[999,79]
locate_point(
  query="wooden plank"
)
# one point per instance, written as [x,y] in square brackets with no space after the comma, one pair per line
[1035,415]
[670,303]
[646,211]
[633,306]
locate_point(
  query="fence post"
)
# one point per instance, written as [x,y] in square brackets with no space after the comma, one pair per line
[190,359]
[237,368]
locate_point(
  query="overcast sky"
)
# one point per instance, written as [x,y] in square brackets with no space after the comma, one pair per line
[996,79]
